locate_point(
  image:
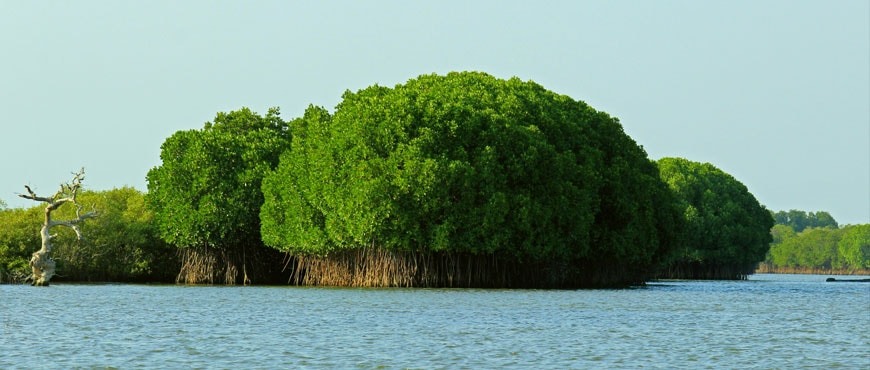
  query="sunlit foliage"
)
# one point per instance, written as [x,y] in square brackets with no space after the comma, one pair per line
[121,244]
[19,238]
[206,193]
[469,164]
[819,249]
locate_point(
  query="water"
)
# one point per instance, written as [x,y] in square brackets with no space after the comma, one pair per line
[768,322]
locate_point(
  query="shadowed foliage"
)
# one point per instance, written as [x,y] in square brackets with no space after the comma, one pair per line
[726,233]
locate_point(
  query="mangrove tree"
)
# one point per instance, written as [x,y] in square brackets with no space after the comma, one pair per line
[726,232]
[466,180]
[206,197]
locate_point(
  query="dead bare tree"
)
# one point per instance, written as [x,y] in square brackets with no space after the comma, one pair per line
[41,263]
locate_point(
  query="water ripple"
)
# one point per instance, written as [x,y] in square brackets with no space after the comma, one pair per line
[772,321]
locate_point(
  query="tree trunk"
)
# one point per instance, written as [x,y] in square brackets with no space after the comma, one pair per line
[42,265]
[41,262]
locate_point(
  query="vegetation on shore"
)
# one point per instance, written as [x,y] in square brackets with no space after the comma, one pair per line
[120,245]
[814,243]
[461,180]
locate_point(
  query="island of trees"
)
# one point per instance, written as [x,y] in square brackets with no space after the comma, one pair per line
[461,180]
[815,243]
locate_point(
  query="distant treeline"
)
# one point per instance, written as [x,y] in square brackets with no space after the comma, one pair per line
[814,243]
[456,180]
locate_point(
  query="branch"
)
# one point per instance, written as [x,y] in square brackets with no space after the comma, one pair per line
[76,184]
[32,196]
[66,193]
[74,223]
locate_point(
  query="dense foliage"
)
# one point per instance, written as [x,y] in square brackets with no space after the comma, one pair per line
[813,242]
[456,180]
[19,238]
[854,246]
[206,195]
[816,247]
[800,220]
[470,165]
[119,245]
[727,232]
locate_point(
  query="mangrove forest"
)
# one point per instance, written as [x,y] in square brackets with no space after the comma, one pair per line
[457,180]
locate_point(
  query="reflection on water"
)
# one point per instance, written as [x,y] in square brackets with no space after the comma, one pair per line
[769,321]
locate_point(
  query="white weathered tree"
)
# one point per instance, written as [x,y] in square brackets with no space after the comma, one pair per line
[41,263]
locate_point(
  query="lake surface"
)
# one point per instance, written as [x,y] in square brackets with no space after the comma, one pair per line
[767,322]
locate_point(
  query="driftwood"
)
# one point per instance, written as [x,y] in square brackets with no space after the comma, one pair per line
[42,265]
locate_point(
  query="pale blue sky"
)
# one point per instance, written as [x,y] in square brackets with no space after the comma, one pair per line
[776,93]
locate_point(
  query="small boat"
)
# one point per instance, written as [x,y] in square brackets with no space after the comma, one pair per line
[847,280]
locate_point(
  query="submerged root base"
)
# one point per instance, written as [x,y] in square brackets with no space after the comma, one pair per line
[374,267]
[43,268]
[255,265]
[702,271]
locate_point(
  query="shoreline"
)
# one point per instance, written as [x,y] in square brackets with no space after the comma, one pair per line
[810,271]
